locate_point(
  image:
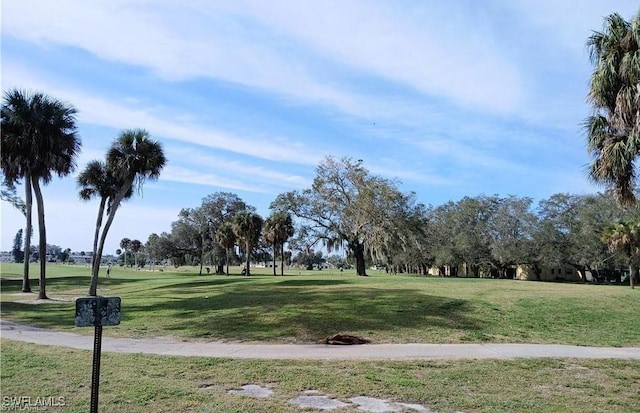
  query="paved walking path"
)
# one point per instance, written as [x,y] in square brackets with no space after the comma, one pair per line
[172,347]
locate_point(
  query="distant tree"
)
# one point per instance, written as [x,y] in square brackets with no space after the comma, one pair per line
[226,239]
[278,228]
[613,130]
[192,235]
[53,250]
[345,205]
[247,226]
[125,244]
[215,210]
[625,237]
[38,140]
[159,247]
[133,158]
[136,246]
[18,254]
[64,255]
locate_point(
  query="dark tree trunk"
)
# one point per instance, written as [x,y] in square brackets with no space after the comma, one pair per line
[42,230]
[537,271]
[93,288]
[26,284]
[358,253]
[96,236]
[248,260]
[282,259]
[275,248]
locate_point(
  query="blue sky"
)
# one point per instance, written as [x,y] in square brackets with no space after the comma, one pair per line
[451,98]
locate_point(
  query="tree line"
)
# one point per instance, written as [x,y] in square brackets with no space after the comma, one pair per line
[348,208]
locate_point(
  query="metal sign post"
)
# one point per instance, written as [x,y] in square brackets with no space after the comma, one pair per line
[97,312]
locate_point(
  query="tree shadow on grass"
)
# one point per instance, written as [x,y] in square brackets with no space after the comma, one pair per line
[188,287]
[12,285]
[53,314]
[312,282]
[269,313]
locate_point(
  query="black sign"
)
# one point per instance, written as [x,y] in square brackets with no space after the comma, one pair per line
[98,311]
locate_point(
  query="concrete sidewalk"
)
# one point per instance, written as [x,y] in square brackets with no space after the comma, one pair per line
[171,347]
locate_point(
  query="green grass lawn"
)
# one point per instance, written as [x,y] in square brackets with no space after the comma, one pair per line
[304,307]
[308,306]
[142,383]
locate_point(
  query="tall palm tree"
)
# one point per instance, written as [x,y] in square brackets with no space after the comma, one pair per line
[125,244]
[625,237]
[278,229]
[247,226]
[613,130]
[38,140]
[98,181]
[133,158]
[136,246]
[226,239]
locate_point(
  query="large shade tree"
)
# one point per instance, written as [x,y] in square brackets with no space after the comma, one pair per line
[39,140]
[217,209]
[613,129]
[132,158]
[345,205]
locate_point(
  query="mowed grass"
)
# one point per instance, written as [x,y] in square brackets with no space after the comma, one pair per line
[143,383]
[304,307]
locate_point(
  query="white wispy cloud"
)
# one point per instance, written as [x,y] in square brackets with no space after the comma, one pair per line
[244,42]
[97,110]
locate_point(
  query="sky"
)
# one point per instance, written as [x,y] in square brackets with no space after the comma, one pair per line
[450,98]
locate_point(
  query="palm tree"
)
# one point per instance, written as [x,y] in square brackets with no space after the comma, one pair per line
[38,140]
[625,237]
[136,246]
[270,234]
[247,226]
[97,180]
[278,229]
[226,239]
[132,158]
[125,244]
[613,130]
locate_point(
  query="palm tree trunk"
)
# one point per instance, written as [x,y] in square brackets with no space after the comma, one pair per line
[226,259]
[248,252]
[93,289]
[96,236]
[274,259]
[42,230]
[26,284]
[201,254]
[282,259]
